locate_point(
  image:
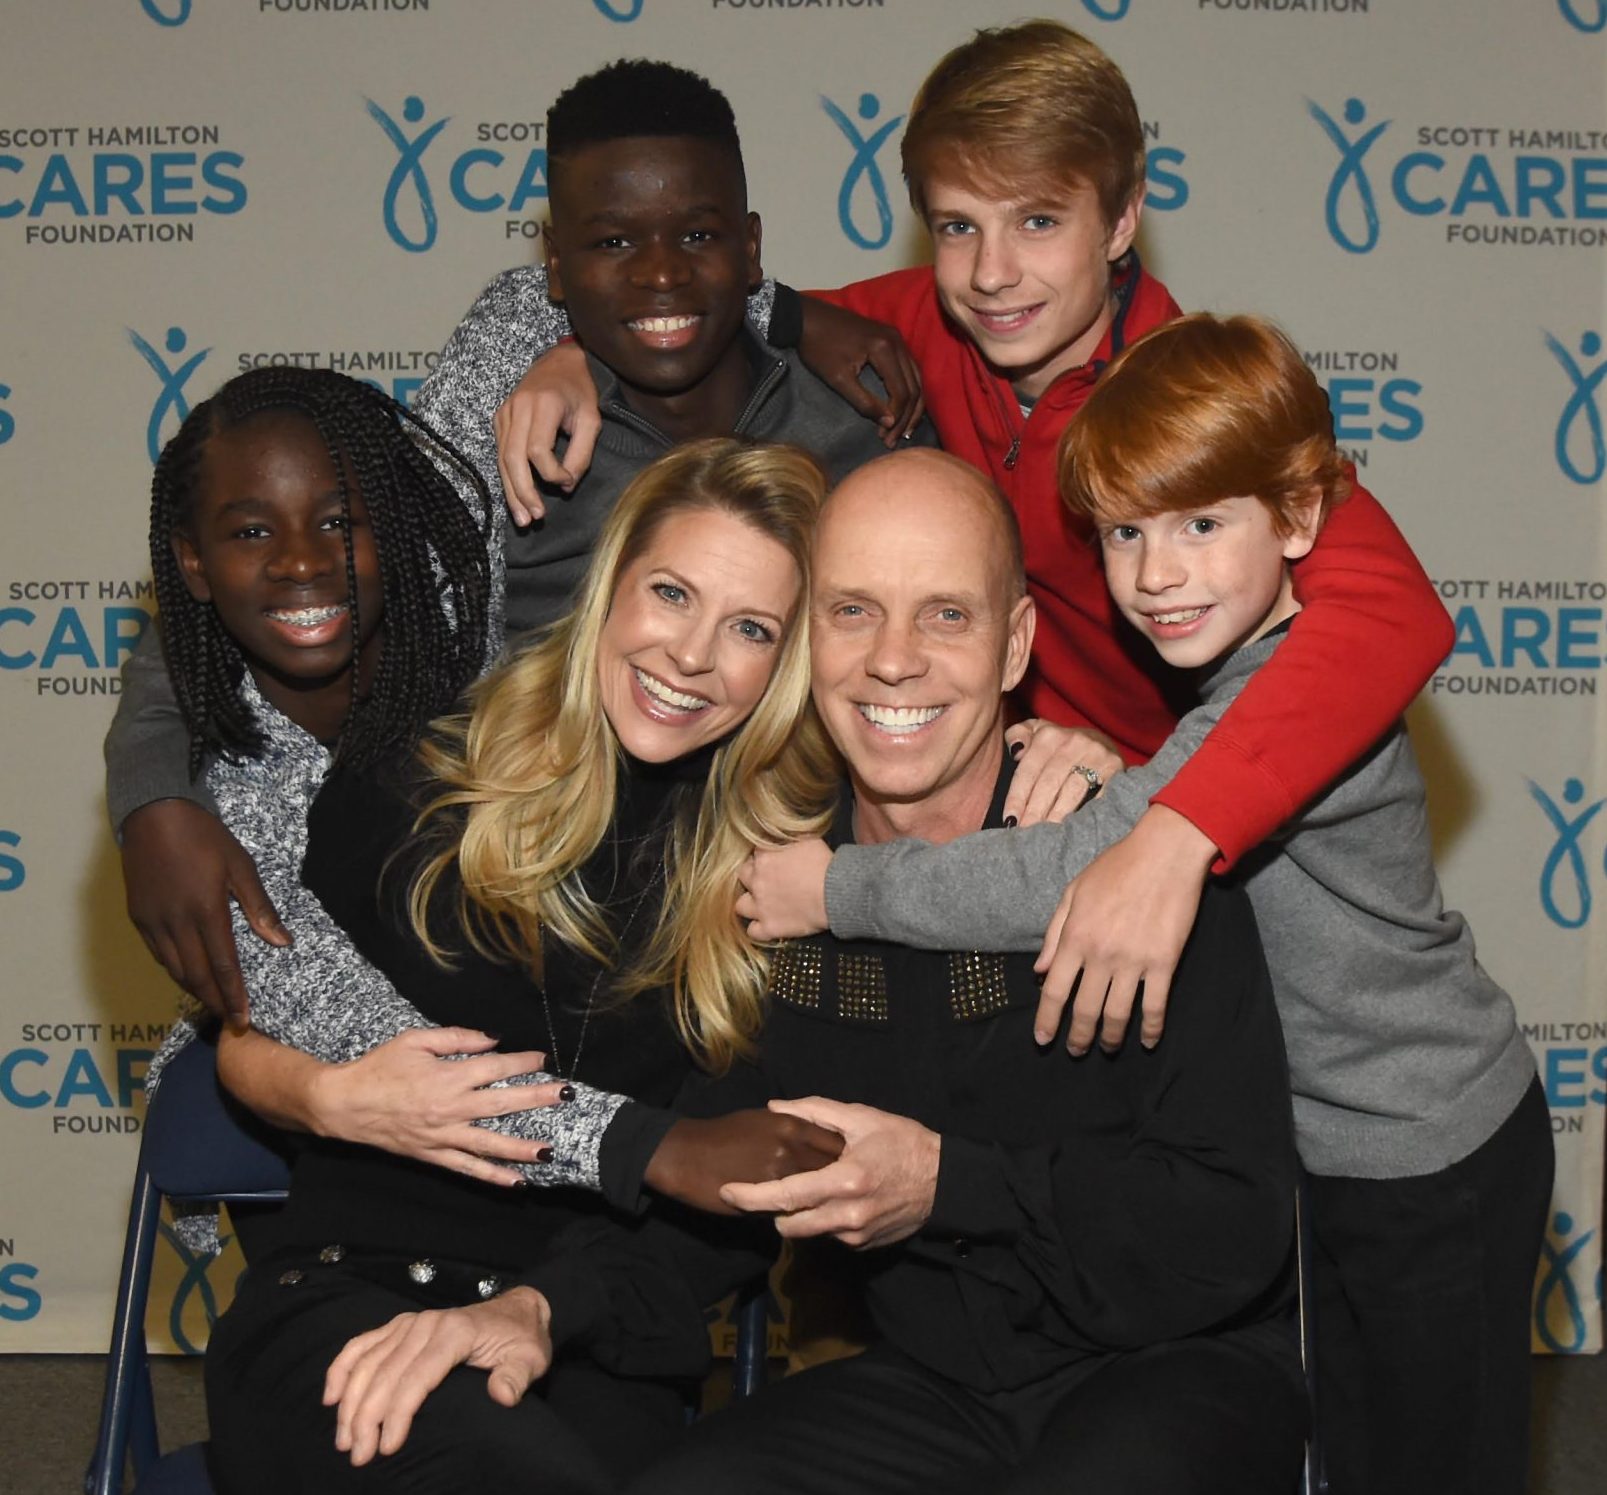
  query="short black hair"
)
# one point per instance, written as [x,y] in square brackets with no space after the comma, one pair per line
[433,562]
[637,97]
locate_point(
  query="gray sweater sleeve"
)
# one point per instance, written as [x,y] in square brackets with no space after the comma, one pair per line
[321,996]
[995,890]
[148,745]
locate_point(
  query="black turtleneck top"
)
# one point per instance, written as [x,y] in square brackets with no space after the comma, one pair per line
[360,856]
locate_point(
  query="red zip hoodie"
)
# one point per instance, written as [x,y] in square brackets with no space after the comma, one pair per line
[1371,631]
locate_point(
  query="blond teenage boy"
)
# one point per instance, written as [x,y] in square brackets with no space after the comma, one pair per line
[1205,462]
[1024,156]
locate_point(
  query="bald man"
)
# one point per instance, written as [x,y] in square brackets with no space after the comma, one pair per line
[1077,1269]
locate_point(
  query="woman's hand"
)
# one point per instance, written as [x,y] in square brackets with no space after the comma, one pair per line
[1052,772]
[380,1379]
[180,869]
[836,344]
[400,1096]
[697,1157]
[557,394]
[784,890]
[403,1098]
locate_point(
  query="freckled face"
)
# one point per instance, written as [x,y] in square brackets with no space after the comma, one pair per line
[1028,281]
[1200,583]
[694,632]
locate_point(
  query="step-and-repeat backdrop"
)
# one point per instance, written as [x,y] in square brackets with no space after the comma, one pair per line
[1417,189]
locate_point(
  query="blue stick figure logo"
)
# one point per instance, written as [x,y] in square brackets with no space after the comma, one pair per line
[1582,403]
[194,1280]
[409,169]
[1111,10]
[1350,173]
[1557,1297]
[177,16]
[864,167]
[627,12]
[1567,850]
[172,399]
[1585,15]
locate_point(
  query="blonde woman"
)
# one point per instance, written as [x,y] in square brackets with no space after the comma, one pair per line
[562,878]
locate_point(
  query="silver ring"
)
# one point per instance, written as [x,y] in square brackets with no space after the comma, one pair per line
[1091,774]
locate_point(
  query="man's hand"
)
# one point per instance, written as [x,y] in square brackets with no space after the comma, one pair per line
[879,1191]
[785,890]
[1051,778]
[180,869]
[697,1157]
[379,1381]
[1123,924]
[557,394]
[400,1097]
[836,344]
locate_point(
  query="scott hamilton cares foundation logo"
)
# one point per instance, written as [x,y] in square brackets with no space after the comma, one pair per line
[864,168]
[1492,184]
[171,405]
[1582,410]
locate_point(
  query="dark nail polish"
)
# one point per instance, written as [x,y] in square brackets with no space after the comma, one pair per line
[567,1093]
[1010,822]
[543,1154]
[1017,749]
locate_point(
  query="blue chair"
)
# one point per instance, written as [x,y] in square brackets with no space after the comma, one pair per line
[197,1146]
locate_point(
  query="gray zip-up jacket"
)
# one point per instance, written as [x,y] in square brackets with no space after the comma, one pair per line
[1404,1055]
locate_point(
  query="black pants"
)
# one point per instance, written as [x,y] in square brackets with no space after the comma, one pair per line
[580,1431]
[1198,1417]
[1424,1288]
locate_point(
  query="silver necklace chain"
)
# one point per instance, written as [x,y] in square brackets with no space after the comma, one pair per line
[596,981]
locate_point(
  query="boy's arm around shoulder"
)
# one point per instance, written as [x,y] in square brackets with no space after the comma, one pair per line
[181,866]
[997,889]
[1370,634]
[147,747]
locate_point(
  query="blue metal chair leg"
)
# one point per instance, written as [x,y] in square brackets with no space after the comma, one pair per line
[753,1342]
[126,1419]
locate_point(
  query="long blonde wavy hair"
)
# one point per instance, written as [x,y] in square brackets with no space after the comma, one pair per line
[527,780]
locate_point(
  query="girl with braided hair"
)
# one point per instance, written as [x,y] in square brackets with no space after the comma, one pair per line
[324,593]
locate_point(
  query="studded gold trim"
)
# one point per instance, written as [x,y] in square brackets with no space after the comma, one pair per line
[795,971]
[977,986]
[861,988]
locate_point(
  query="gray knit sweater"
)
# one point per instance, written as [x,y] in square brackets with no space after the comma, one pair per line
[319,995]
[1404,1055]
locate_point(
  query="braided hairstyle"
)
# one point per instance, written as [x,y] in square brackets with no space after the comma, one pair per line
[434,572]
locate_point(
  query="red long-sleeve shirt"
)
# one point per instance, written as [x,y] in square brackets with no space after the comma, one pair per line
[1370,634]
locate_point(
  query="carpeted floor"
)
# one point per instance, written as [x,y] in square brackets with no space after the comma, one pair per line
[51,1404]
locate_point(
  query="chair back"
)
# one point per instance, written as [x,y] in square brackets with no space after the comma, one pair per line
[197,1146]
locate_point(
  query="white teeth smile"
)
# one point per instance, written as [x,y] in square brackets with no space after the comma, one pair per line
[1187,616]
[1006,319]
[679,700]
[663,324]
[308,617]
[900,719]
